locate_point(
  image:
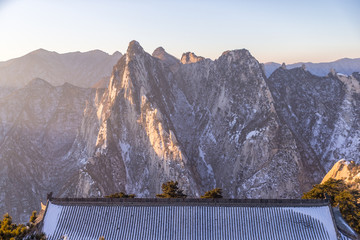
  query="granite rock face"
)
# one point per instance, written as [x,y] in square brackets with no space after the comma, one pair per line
[322,113]
[302,101]
[205,124]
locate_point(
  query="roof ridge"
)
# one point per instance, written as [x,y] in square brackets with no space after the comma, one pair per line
[192,201]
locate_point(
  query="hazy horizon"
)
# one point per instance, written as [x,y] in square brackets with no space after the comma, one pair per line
[273,31]
[178,57]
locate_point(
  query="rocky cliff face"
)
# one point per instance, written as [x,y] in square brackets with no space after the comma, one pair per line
[38,125]
[136,147]
[236,133]
[204,123]
[322,113]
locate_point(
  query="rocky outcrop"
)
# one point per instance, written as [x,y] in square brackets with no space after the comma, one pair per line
[348,171]
[190,57]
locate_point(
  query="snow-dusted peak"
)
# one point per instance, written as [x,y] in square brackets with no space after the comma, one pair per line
[190,57]
[241,56]
[239,53]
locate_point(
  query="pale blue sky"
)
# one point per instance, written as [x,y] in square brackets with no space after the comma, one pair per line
[278,30]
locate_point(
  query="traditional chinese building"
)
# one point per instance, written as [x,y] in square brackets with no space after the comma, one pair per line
[90,219]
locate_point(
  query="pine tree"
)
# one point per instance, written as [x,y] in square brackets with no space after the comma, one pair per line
[170,190]
[9,230]
[121,195]
[214,193]
[340,195]
[331,187]
[12,231]
[33,217]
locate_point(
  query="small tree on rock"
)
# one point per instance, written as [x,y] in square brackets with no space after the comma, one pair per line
[170,190]
[214,193]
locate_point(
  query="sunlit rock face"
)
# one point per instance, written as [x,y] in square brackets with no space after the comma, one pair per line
[205,124]
[136,147]
[190,57]
[38,125]
[348,171]
[323,115]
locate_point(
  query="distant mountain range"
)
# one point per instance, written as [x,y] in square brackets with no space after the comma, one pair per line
[80,69]
[91,69]
[345,65]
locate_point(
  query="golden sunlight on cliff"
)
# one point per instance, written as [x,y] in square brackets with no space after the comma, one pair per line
[345,170]
[164,144]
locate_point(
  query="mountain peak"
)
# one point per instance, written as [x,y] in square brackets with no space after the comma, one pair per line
[38,83]
[117,53]
[134,48]
[41,52]
[159,52]
[190,57]
[237,52]
[68,85]
[236,55]
[166,58]
[159,49]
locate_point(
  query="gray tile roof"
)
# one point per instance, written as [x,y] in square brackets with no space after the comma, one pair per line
[80,219]
[346,231]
